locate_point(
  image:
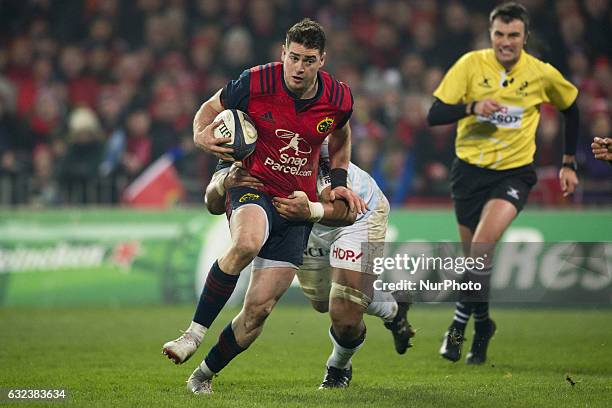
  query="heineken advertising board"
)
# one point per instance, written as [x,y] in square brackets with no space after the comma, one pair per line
[120,257]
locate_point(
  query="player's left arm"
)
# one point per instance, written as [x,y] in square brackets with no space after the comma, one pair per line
[297,207]
[563,94]
[227,176]
[339,157]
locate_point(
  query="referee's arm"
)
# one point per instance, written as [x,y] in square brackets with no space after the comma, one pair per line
[572,125]
[442,113]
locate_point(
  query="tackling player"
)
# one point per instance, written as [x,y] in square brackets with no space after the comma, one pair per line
[295,106]
[495,95]
[336,276]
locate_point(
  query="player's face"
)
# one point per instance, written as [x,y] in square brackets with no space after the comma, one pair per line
[300,67]
[508,40]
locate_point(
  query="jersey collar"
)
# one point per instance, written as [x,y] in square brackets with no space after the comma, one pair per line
[516,66]
[304,102]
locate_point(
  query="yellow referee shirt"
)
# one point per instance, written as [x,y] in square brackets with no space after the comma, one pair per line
[506,139]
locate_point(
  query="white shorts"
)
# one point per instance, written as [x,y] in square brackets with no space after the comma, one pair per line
[341,248]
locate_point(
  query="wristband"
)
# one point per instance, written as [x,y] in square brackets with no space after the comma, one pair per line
[338,177]
[570,165]
[472,107]
[217,180]
[316,211]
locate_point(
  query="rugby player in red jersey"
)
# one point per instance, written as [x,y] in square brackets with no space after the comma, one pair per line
[295,106]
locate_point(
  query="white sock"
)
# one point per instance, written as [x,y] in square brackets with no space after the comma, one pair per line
[197,330]
[207,371]
[383,305]
[341,356]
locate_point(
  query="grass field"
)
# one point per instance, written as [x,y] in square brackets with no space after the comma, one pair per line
[111,357]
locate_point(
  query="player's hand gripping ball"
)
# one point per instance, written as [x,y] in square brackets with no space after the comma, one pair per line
[238,126]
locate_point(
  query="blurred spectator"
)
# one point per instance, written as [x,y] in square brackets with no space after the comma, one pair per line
[78,168]
[394,175]
[82,87]
[457,39]
[15,144]
[237,51]
[434,152]
[138,148]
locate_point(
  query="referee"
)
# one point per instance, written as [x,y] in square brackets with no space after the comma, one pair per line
[495,96]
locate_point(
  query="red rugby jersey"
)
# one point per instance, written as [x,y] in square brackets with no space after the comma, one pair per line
[290,130]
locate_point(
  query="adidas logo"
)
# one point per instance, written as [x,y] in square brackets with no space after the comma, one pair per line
[267,117]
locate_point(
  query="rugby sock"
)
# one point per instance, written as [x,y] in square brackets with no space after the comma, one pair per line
[197,330]
[468,300]
[217,290]
[343,351]
[222,353]
[481,317]
[383,305]
[481,308]
[462,315]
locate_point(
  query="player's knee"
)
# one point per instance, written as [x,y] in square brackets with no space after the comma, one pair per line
[246,248]
[321,307]
[346,317]
[345,313]
[256,313]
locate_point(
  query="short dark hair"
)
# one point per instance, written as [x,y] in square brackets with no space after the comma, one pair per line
[510,11]
[308,33]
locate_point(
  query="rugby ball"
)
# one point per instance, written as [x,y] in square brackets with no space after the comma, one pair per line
[238,126]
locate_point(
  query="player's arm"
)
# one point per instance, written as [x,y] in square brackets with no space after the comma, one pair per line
[225,178]
[297,207]
[339,157]
[235,95]
[204,127]
[340,147]
[214,197]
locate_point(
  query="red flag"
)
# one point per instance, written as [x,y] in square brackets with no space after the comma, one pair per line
[158,186]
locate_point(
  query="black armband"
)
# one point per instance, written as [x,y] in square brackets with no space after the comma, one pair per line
[442,113]
[338,177]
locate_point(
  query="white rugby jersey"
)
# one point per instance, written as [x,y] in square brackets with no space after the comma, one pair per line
[358,180]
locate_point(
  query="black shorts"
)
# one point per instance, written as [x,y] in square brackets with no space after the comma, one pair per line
[473,186]
[287,240]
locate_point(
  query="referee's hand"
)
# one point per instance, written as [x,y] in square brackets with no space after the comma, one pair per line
[568,180]
[486,107]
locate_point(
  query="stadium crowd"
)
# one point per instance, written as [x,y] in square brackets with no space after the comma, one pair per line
[93,91]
